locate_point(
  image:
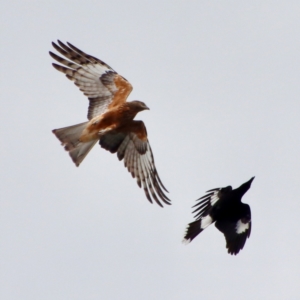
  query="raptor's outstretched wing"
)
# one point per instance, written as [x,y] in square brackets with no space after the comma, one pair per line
[132,145]
[103,86]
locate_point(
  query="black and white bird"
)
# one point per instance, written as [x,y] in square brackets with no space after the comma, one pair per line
[232,217]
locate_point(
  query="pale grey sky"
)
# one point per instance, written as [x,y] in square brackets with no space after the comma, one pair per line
[221,79]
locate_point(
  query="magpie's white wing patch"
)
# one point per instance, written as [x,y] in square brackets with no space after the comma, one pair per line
[206,202]
[205,221]
[236,233]
[214,198]
[241,227]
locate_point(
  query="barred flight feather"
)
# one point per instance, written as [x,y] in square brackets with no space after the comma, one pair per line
[107,92]
[93,77]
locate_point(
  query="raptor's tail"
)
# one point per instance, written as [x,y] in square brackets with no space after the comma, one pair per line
[69,137]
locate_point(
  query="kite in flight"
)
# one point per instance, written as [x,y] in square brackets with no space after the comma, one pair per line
[232,217]
[110,119]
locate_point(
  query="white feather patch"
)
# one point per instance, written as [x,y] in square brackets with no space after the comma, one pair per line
[214,198]
[205,221]
[241,227]
[186,241]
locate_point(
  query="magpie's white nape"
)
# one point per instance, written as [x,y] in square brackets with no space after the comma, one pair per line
[224,207]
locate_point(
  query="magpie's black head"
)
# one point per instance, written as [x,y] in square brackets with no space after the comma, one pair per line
[245,186]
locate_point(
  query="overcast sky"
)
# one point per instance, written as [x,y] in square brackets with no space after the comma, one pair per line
[221,79]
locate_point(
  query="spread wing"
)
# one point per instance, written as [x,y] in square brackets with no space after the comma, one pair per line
[205,203]
[236,233]
[103,86]
[204,208]
[132,145]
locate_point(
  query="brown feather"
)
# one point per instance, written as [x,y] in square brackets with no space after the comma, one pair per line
[124,88]
[110,119]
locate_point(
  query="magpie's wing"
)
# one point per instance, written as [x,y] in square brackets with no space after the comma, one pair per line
[203,211]
[208,201]
[236,233]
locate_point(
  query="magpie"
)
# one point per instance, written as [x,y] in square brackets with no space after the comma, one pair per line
[224,207]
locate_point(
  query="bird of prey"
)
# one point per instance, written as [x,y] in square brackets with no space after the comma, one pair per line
[224,207]
[110,119]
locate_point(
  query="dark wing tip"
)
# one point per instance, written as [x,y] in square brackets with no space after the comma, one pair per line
[56,66]
[159,204]
[213,190]
[70,45]
[148,196]
[61,43]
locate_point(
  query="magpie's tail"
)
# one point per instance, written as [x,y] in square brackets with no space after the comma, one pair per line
[192,230]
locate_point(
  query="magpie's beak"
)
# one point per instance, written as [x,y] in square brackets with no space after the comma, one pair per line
[246,186]
[250,181]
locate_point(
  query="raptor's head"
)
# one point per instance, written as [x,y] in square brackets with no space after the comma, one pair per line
[138,105]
